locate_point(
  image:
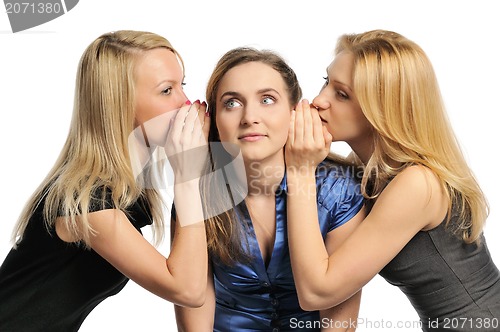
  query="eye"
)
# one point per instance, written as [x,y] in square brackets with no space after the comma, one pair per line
[231,103]
[342,95]
[183,85]
[267,100]
[167,91]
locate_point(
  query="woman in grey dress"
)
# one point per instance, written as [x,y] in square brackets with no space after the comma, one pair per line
[424,230]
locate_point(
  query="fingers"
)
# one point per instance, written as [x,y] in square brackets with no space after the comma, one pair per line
[299,124]
[328,137]
[317,126]
[309,136]
[204,120]
[191,120]
[178,122]
[291,130]
[308,129]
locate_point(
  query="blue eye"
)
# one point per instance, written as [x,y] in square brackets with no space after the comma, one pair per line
[231,103]
[268,100]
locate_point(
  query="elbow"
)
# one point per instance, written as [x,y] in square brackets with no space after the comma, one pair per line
[191,300]
[192,297]
[309,303]
[311,299]
[195,302]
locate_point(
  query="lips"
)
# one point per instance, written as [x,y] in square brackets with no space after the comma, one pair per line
[251,137]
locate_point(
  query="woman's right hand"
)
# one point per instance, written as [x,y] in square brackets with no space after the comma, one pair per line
[186,145]
[308,140]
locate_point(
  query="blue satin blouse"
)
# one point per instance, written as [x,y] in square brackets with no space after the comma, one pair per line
[253,297]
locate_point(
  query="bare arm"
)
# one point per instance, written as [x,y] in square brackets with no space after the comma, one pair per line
[325,280]
[413,201]
[344,316]
[182,277]
[198,319]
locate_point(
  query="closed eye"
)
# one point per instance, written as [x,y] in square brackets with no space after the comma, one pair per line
[342,95]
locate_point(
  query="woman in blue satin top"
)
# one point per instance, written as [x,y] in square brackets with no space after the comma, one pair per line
[251,95]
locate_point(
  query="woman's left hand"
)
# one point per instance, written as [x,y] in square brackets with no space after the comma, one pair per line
[308,140]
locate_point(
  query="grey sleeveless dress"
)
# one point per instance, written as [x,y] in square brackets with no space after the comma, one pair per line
[453,286]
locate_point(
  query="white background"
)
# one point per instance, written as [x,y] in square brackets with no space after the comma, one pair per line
[37,74]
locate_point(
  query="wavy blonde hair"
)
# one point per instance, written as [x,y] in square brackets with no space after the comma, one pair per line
[398,92]
[96,154]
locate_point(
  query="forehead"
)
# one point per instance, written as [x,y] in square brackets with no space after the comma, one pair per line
[251,77]
[159,64]
[342,66]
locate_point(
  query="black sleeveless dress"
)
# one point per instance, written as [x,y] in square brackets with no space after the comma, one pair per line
[47,284]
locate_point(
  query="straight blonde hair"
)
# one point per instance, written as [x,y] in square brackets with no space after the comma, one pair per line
[96,155]
[398,92]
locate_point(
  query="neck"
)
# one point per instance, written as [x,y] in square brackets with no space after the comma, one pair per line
[363,147]
[363,153]
[264,176]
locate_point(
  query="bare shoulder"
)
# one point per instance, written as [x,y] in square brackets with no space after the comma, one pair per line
[421,187]
[98,221]
[418,175]
[107,218]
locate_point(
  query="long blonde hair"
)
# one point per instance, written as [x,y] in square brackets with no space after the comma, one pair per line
[398,92]
[96,155]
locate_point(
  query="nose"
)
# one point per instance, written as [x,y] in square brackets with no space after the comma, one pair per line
[251,115]
[182,98]
[321,101]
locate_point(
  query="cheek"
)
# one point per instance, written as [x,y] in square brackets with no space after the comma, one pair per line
[141,114]
[281,129]
[222,128]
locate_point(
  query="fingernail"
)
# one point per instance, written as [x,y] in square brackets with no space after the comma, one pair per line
[204,104]
[197,101]
[207,113]
[188,102]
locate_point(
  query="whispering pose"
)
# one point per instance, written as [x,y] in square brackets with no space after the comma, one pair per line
[424,231]
[78,240]
[250,96]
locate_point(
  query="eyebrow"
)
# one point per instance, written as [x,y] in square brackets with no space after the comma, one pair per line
[261,91]
[169,81]
[337,81]
[238,95]
[344,85]
[163,82]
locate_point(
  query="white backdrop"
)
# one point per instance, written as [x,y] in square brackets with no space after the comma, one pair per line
[37,74]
